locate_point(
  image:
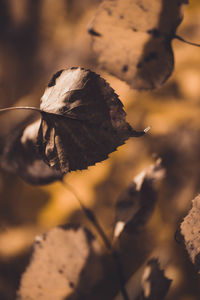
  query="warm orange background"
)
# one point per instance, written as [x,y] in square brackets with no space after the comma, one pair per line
[38,38]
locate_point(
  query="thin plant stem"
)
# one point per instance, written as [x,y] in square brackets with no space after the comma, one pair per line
[93,220]
[183,40]
[2,110]
[20,108]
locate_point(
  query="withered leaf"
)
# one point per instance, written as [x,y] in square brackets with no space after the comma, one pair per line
[149,282]
[136,204]
[83,121]
[132,39]
[190,229]
[20,155]
[66,262]
[155,284]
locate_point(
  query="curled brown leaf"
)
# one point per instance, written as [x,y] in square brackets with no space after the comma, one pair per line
[83,121]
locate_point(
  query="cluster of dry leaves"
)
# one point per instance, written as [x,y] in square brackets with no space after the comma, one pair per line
[141,252]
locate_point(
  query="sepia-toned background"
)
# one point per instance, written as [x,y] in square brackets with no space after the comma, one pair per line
[38,38]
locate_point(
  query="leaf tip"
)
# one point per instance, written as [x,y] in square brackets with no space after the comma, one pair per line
[147,129]
[118,228]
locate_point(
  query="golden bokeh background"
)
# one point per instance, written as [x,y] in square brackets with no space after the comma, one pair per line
[38,38]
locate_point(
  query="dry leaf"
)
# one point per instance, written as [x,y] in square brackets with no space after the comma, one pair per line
[147,283]
[190,229]
[83,121]
[66,262]
[136,203]
[155,284]
[20,155]
[132,39]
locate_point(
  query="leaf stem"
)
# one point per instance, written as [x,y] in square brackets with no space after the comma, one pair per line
[92,218]
[19,108]
[183,40]
[2,110]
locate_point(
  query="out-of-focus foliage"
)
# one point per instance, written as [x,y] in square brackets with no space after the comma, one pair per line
[154,284]
[136,204]
[69,263]
[20,156]
[132,39]
[37,38]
